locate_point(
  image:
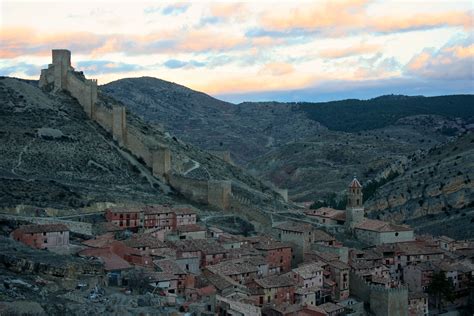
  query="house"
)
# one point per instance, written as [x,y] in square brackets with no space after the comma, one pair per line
[208,251]
[125,217]
[418,304]
[229,306]
[44,236]
[299,234]
[276,289]
[185,215]
[322,238]
[418,276]
[332,309]
[148,245]
[240,271]
[305,296]
[375,232]
[159,216]
[327,216]
[309,275]
[191,231]
[278,255]
[340,275]
[184,279]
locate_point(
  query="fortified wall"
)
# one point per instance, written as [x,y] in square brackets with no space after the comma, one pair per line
[60,75]
[382,301]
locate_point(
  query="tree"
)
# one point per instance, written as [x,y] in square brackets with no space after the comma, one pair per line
[441,288]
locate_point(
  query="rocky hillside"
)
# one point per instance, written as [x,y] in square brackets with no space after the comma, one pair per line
[247,130]
[53,155]
[434,192]
[294,145]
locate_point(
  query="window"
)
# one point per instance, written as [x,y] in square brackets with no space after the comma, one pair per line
[45,241]
[44,233]
[396,234]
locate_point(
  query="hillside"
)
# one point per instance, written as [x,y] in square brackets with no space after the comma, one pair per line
[53,155]
[434,193]
[247,130]
[319,166]
[358,115]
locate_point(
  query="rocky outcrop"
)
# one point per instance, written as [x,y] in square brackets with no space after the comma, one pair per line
[434,184]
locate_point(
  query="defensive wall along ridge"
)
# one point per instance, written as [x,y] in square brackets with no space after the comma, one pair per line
[60,75]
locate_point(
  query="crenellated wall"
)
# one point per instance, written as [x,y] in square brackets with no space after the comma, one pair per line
[382,301]
[62,76]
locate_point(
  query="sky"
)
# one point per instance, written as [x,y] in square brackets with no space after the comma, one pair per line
[254,50]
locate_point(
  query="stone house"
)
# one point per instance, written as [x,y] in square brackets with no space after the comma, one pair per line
[125,217]
[375,232]
[45,236]
[185,215]
[299,234]
[159,216]
[309,275]
[327,216]
[418,304]
[191,231]
[340,275]
[276,289]
[147,244]
[418,276]
[242,272]
[278,255]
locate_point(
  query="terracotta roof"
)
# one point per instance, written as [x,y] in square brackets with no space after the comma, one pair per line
[206,246]
[381,226]
[232,267]
[319,235]
[43,228]
[330,307]
[327,212]
[276,281]
[169,266]
[206,291]
[220,282]
[100,241]
[183,209]
[308,270]
[355,184]
[271,245]
[338,265]
[295,227]
[191,228]
[157,209]
[144,240]
[124,209]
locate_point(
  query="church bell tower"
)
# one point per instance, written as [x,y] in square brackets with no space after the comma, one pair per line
[354,208]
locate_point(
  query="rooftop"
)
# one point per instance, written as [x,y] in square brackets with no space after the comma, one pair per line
[144,240]
[276,281]
[327,212]
[355,184]
[308,270]
[43,228]
[381,226]
[233,267]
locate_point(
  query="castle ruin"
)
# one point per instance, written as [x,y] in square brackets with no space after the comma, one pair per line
[60,75]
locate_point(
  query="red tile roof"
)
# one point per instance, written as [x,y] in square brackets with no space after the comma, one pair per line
[355,184]
[380,226]
[43,228]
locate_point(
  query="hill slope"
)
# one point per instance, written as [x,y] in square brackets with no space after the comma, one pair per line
[247,130]
[435,191]
[52,156]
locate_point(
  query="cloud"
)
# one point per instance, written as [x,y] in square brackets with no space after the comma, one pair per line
[388,24]
[277,69]
[97,67]
[21,68]
[345,17]
[176,9]
[23,41]
[449,62]
[359,49]
[174,64]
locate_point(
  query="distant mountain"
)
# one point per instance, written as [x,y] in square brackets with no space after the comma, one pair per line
[357,115]
[247,130]
[434,191]
[309,148]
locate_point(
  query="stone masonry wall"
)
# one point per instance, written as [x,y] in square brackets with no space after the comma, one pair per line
[74,226]
[62,75]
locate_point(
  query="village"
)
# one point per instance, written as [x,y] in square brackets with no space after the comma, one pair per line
[297,268]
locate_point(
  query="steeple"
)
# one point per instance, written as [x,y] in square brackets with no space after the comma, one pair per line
[354,194]
[354,209]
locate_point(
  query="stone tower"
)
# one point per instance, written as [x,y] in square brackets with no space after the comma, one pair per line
[354,208]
